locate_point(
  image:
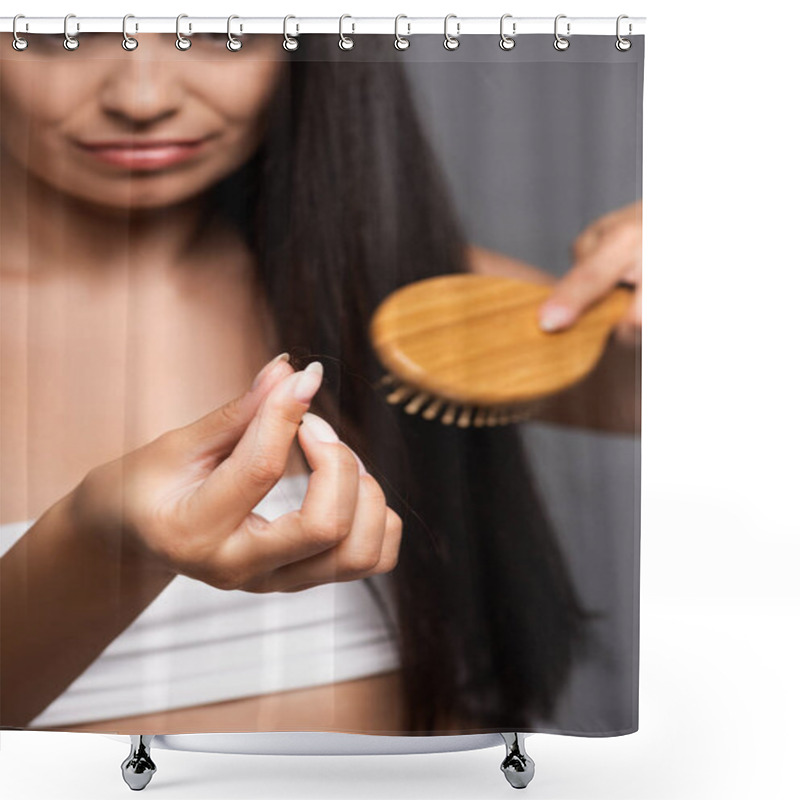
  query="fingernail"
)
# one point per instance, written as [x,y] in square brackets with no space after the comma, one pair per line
[308,381]
[319,428]
[553,317]
[264,370]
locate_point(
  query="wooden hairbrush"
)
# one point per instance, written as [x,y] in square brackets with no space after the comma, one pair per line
[470,346]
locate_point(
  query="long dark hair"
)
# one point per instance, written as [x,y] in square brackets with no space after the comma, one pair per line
[344,203]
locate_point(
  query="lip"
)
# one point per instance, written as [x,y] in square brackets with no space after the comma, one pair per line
[143,154]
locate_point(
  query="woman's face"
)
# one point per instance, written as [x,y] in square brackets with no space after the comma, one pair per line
[172,122]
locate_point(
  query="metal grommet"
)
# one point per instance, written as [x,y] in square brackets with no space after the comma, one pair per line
[451,42]
[345,42]
[289,42]
[560,42]
[233,44]
[18,43]
[70,42]
[128,42]
[506,41]
[400,42]
[182,43]
[623,44]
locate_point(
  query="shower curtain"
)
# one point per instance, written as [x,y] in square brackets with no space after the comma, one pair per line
[191,543]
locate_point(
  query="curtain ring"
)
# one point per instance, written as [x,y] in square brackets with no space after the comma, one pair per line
[400,42]
[560,42]
[506,41]
[233,44]
[623,44]
[182,43]
[345,42]
[451,42]
[18,43]
[128,42]
[289,42]
[70,42]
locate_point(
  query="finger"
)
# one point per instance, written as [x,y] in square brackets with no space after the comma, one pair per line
[216,433]
[591,235]
[392,540]
[324,518]
[634,272]
[257,462]
[587,240]
[354,557]
[584,243]
[589,280]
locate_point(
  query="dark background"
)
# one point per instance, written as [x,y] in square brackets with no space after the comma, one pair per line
[536,144]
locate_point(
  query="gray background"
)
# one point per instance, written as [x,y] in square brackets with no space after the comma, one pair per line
[536,144]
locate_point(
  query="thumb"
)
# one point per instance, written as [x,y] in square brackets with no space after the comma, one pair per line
[218,431]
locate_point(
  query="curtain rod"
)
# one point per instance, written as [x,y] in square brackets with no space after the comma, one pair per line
[298,25]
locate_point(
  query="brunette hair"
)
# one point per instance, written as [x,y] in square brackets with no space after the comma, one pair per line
[343,203]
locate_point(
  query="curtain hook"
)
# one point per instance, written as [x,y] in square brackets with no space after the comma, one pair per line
[623,44]
[128,42]
[345,42]
[289,42]
[506,41]
[70,42]
[400,42]
[182,43]
[233,44]
[18,43]
[451,42]
[560,42]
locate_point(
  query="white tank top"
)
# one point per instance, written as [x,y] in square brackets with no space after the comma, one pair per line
[196,644]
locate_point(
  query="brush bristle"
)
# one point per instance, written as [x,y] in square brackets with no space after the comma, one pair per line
[433,409]
[429,405]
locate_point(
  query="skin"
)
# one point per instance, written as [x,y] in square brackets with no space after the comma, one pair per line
[606,252]
[124,288]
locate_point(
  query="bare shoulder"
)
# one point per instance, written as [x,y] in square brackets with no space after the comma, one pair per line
[483,261]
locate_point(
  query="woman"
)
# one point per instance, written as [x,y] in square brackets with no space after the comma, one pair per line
[337,202]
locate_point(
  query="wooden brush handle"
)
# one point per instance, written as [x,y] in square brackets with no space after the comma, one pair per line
[475,339]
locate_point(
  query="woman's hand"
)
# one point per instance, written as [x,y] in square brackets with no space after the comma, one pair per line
[605,253]
[184,501]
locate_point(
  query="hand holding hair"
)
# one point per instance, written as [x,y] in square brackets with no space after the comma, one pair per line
[184,501]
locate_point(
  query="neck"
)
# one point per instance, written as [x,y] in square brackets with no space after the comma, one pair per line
[45,232]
